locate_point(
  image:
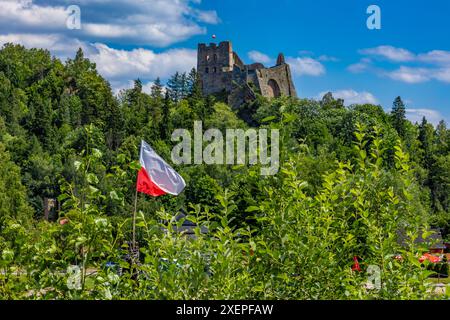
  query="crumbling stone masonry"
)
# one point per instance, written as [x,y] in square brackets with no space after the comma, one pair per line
[222,71]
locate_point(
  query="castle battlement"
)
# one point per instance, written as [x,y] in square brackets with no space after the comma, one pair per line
[222,71]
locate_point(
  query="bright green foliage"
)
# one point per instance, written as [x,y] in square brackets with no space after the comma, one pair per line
[354,181]
[302,248]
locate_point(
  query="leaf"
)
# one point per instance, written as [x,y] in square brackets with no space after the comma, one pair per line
[80,240]
[77,165]
[121,158]
[268,119]
[93,190]
[113,195]
[359,136]
[140,224]
[289,117]
[252,209]
[97,153]
[135,165]
[92,178]
[62,197]
[303,185]
[363,154]
[8,255]
[124,264]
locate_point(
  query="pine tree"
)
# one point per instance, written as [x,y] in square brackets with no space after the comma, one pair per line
[157,89]
[76,67]
[195,90]
[166,116]
[156,104]
[174,87]
[398,115]
[426,132]
[134,98]
[184,86]
[442,139]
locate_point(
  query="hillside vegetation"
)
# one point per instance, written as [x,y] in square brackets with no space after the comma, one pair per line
[351,180]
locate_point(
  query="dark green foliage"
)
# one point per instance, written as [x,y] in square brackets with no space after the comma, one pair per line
[398,115]
[350,178]
[13,201]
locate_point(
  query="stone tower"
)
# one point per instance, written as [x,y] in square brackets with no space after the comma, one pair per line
[222,71]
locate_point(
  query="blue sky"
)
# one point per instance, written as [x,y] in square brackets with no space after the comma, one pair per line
[327,42]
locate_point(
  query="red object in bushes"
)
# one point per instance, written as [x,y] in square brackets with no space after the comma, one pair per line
[63,221]
[429,257]
[356,266]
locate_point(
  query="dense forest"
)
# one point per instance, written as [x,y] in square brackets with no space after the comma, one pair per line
[351,179]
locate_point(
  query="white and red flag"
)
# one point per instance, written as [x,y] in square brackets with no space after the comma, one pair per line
[156,177]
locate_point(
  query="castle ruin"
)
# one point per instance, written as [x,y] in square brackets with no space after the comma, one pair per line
[222,71]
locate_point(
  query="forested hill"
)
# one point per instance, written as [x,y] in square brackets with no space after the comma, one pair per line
[53,113]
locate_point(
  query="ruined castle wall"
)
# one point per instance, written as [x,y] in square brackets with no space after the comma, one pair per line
[215,66]
[238,62]
[276,81]
[220,69]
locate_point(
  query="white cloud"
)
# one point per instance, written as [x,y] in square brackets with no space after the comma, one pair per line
[432,65]
[300,66]
[420,75]
[436,57]
[31,40]
[306,66]
[260,57]
[442,75]
[142,63]
[416,115]
[158,23]
[118,66]
[156,34]
[351,96]
[151,22]
[59,45]
[25,14]
[326,58]
[410,75]
[390,53]
[210,17]
[361,66]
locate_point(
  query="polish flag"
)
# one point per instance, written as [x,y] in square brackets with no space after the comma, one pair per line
[156,177]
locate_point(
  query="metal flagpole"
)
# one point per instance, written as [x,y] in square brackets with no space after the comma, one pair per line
[134,219]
